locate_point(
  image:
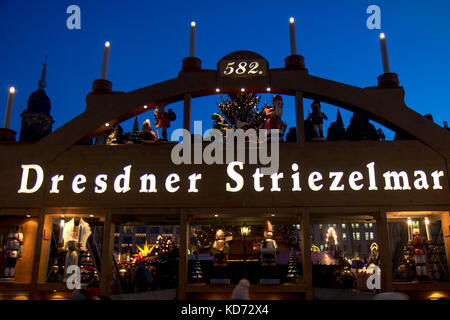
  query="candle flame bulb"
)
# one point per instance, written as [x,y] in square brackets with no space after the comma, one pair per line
[193,24]
[427,221]
[12,90]
[409,221]
[382,36]
[291,20]
[107,44]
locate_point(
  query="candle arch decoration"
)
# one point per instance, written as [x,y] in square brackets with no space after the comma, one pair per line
[383,103]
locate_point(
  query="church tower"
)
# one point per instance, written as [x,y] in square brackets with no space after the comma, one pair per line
[36,119]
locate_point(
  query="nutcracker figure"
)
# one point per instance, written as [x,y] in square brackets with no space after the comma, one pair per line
[419,255]
[162,120]
[317,117]
[273,116]
[220,251]
[268,251]
[13,251]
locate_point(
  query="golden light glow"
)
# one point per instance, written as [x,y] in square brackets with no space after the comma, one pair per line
[242,89]
[436,295]
[216,215]
[107,44]
[217,90]
[409,221]
[382,36]
[106,124]
[12,90]
[245,230]
[427,221]
[291,20]
[61,223]
[268,89]
[145,107]
[193,24]
[146,250]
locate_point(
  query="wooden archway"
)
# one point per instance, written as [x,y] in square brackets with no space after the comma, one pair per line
[384,105]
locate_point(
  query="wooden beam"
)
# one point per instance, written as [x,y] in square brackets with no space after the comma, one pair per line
[37,255]
[107,256]
[445,222]
[183,256]
[187,112]
[385,251]
[306,255]
[299,121]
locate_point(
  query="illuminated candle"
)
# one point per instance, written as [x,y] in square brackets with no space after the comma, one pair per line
[292,34]
[409,229]
[384,54]
[427,228]
[61,230]
[105,61]
[192,42]
[9,106]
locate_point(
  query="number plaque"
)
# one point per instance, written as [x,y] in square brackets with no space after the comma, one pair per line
[243,68]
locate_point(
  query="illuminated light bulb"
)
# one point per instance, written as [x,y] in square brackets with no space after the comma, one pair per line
[62,216]
[91,215]
[28,216]
[409,221]
[268,89]
[12,90]
[382,36]
[145,107]
[193,24]
[291,20]
[106,124]
[427,221]
[107,44]
[242,89]
[216,215]
[217,90]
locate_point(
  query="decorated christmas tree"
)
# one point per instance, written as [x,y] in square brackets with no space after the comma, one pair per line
[241,110]
[134,137]
[292,272]
[197,274]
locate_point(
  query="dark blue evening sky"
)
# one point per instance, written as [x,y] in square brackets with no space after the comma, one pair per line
[150,38]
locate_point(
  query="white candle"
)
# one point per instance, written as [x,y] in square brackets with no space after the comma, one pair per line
[409,230]
[427,228]
[192,40]
[105,61]
[384,54]
[61,230]
[292,34]
[9,106]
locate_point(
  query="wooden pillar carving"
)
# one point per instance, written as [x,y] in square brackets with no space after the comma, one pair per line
[107,255]
[385,251]
[306,255]
[300,123]
[183,256]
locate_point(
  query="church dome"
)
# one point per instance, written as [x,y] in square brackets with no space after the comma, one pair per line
[39,102]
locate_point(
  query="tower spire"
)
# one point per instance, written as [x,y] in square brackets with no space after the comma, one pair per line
[42,83]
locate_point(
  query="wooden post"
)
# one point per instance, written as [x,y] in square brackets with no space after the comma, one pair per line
[300,123]
[445,222]
[183,256]
[107,255]
[37,256]
[306,255]
[187,112]
[385,251]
